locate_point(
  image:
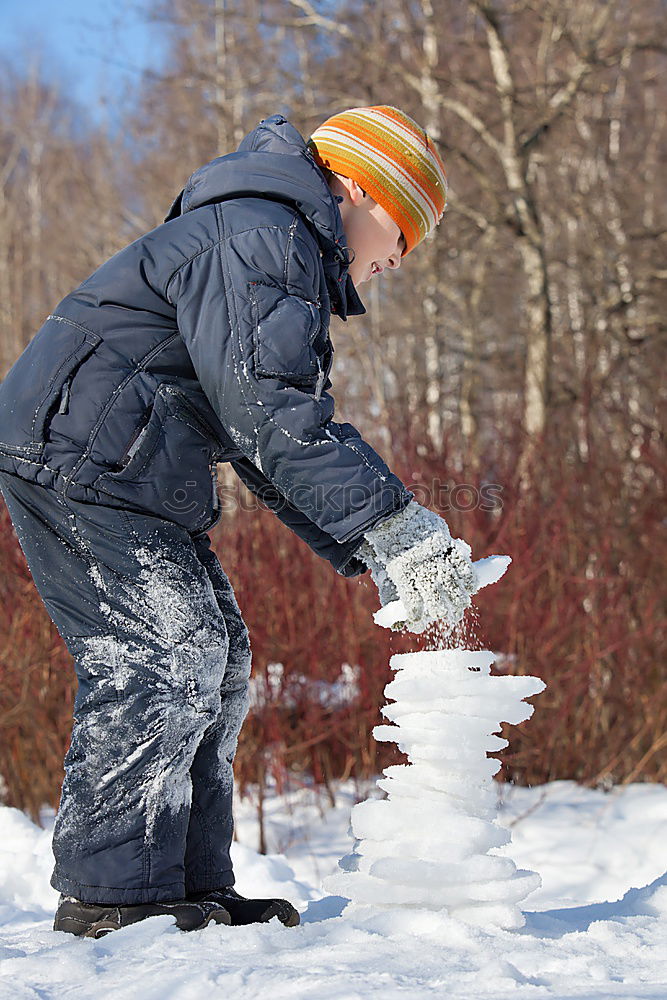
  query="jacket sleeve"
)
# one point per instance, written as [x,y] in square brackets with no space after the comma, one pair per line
[339,554]
[248,311]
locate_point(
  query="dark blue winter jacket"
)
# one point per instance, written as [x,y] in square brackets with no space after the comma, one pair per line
[207,340]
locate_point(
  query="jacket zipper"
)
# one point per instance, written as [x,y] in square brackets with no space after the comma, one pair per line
[320,379]
[135,442]
[64,395]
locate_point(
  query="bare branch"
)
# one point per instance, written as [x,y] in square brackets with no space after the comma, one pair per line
[313,18]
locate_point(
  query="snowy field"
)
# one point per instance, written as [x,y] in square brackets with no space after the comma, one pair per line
[597,928]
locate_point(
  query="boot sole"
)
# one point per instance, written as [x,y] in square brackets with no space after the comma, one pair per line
[103,927]
[100,929]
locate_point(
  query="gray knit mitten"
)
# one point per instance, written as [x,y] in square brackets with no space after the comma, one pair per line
[386,589]
[430,571]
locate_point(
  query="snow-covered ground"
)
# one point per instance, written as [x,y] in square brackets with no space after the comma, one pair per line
[597,929]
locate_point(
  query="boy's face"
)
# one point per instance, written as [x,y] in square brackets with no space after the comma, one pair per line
[370,232]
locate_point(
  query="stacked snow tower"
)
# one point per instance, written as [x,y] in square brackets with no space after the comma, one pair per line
[433,842]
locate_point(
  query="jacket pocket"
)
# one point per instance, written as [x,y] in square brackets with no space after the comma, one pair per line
[168,467]
[38,383]
[284,330]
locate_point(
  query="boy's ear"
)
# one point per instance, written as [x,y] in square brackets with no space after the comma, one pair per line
[355,192]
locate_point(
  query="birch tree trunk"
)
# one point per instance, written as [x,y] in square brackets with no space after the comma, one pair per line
[530,244]
[431,307]
[471,342]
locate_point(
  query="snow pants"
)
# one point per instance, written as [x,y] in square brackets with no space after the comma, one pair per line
[163,659]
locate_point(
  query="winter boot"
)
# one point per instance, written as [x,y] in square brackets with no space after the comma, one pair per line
[249,911]
[97,919]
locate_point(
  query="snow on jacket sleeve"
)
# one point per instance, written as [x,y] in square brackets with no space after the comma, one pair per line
[340,555]
[247,309]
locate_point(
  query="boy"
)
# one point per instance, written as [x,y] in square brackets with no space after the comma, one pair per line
[207,340]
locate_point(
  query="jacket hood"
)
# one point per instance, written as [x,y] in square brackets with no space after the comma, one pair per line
[273,161]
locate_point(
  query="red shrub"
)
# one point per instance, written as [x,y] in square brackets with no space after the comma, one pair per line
[580,607]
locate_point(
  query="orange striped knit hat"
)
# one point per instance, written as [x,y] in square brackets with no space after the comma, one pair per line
[393,160]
